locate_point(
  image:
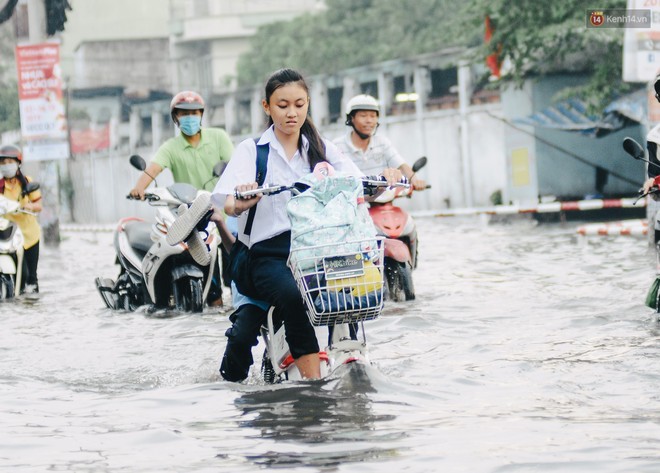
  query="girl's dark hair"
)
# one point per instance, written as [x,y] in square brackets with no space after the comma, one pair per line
[316,153]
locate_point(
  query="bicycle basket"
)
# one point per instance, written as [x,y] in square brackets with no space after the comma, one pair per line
[340,286]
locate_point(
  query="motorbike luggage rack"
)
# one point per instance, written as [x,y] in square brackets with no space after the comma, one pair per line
[340,282]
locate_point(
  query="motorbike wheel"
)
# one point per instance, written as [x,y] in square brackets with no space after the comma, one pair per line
[188,295]
[6,287]
[399,281]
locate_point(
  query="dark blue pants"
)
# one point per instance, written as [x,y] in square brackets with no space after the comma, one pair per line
[274,282]
[241,337]
[30,263]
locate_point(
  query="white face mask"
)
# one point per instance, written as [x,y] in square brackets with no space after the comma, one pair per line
[9,170]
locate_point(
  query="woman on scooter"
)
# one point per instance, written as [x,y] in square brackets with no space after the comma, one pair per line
[295,147]
[13,185]
[653,171]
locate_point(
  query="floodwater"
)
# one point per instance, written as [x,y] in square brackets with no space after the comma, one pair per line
[527,349]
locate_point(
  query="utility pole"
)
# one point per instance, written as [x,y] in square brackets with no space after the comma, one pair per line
[49,176]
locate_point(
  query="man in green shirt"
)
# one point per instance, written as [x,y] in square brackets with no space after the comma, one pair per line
[190,156]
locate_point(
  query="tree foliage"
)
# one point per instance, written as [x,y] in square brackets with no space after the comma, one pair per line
[536,38]
[9,111]
[351,33]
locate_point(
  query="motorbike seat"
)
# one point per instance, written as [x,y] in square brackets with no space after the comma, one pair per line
[139,236]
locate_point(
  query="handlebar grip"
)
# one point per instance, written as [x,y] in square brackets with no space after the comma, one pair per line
[247,194]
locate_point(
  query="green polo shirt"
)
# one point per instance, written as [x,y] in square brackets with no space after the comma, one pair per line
[194,165]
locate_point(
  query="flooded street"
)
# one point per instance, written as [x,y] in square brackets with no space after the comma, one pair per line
[527,349]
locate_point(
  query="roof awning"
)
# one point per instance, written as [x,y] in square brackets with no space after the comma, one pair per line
[571,115]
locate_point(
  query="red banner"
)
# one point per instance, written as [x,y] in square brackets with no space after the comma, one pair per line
[84,141]
[43,117]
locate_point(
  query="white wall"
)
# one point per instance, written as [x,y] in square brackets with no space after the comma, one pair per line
[101,182]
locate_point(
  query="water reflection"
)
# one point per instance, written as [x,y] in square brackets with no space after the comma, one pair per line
[333,413]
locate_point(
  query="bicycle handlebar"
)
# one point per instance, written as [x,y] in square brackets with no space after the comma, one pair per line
[368,182]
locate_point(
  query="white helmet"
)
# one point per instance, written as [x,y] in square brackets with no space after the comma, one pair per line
[362,102]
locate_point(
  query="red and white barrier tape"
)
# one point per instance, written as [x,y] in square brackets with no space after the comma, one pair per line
[623,228]
[90,228]
[593,204]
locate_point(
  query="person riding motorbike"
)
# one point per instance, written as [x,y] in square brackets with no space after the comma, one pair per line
[371,152]
[190,156]
[653,171]
[294,148]
[13,185]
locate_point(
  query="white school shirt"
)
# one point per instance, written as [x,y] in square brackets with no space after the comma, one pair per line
[380,154]
[271,218]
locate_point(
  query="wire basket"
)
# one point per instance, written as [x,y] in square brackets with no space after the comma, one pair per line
[340,282]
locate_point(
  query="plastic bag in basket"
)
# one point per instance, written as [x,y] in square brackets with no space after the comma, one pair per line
[331,212]
[336,302]
[371,281]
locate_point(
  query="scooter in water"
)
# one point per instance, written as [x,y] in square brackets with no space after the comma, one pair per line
[400,232]
[152,272]
[11,246]
[634,149]
[342,287]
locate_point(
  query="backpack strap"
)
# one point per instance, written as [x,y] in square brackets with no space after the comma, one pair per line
[262,167]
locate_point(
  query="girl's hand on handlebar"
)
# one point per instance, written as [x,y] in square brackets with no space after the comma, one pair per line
[240,204]
[244,188]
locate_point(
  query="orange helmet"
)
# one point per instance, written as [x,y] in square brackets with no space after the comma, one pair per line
[11,151]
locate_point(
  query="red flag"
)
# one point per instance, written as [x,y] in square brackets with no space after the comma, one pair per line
[492,61]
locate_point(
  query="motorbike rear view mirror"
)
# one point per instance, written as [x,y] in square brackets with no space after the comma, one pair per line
[219,168]
[633,148]
[31,187]
[138,162]
[419,164]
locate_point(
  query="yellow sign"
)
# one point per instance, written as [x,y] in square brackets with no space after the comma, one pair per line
[520,167]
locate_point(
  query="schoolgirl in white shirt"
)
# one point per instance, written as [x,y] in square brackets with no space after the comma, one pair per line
[295,147]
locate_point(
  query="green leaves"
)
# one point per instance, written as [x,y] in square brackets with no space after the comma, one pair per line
[538,38]
[353,33]
[9,111]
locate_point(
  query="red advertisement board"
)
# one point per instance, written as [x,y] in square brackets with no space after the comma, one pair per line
[43,116]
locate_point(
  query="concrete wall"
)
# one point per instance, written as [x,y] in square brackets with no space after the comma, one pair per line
[550,162]
[101,181]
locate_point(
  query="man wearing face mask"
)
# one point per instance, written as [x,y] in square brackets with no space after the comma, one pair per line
[190,156]
[13,185]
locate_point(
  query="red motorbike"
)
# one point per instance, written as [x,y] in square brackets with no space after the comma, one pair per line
[400,233]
